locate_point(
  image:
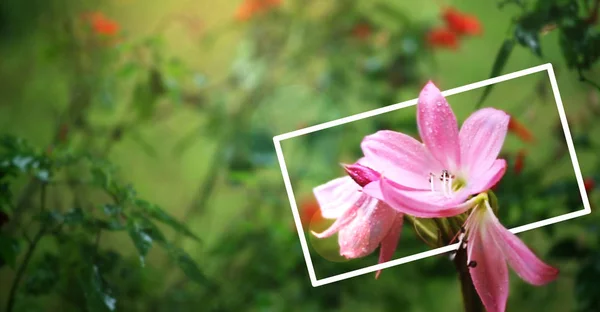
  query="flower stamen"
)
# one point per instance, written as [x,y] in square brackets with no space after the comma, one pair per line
[431,177]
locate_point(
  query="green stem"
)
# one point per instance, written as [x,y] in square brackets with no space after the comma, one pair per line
[21,271]
[471,300]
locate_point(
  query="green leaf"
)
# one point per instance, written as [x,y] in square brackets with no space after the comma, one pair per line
[9,249]
[112,210]
[501,59]
[43,276]
[529,38]
[157,213]
[141,239]
[98,295]
[74,217]
[579,43]
[187,265]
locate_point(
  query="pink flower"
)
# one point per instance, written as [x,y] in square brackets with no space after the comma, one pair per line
[489,247]
[435,178]
[363,223]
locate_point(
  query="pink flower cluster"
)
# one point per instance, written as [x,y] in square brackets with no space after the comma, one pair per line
[447,174]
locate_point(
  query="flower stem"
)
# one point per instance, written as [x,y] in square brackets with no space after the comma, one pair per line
[471,300]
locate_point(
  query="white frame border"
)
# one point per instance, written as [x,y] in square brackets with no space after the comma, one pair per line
[288,185]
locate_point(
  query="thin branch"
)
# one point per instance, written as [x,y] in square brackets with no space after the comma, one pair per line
[28,254]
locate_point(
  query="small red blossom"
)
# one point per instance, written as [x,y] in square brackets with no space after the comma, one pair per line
[461,23]
[514,126]
[250,8]
[310,212]
[519,161]
[361,31]
[101,24]
[443,38]
[589,183]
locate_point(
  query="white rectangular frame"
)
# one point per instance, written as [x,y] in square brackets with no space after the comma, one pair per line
[311,271]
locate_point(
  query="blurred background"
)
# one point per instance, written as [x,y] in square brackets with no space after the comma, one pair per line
[138,171]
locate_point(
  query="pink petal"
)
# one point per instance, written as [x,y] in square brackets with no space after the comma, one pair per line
[364,234]
[337,196]
[481,139]
[525,263]
[346,218]
[438,127]
[390,241]
[490,275]
[400,158]
[361,174]
[419,203]
[489,178]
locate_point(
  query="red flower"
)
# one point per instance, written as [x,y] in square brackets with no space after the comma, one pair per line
[310,212]
[101,24]
[442,37]
[589,183]
[519,161]
[361,31]
[250,8]
[460,23]
[520,130]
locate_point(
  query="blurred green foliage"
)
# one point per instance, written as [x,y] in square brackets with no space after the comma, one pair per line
[98,109]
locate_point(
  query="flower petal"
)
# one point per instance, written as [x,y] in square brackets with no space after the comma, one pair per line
[346,218]
[488,179]
[490,274]
[438,127]
[337,196]
[481,138]
[400,158]
[419,203]
[525,263]
[367,230]
[390,241]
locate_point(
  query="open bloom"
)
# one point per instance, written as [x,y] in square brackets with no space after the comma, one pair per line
[363,223]
[489,247]
[435,178]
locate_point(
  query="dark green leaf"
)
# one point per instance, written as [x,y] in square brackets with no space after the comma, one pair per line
[98,295]
[580,44]
[157,213]
[9,249]
[529,38]
[43,275]
[141,239]
[113,224]
[74,216]
[187,265]
[112,210]
[499,63]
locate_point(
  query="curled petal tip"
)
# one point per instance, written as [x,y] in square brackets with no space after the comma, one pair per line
[318,235]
